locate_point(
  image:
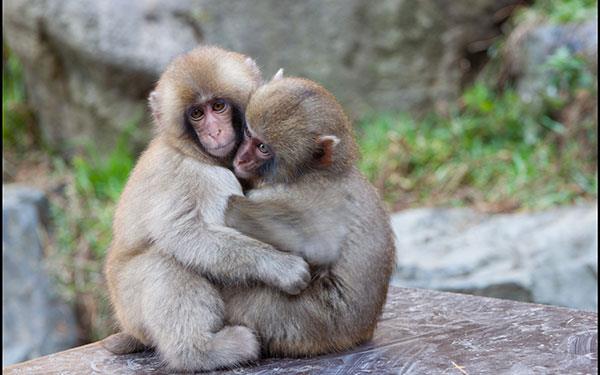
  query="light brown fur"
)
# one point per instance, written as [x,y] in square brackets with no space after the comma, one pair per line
[313,183]
[170,247]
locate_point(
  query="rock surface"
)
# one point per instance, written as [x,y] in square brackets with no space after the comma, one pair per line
[89,65]
[539,43]
[420,332]
[34,321]
[547,257]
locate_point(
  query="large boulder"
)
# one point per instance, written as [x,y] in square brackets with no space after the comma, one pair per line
[89,65]
[546,257]
[35,321]
[537,43]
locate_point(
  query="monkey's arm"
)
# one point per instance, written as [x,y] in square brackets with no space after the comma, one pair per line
[273,222]
[184,221]
[228,257]
[306,231]
[178,210]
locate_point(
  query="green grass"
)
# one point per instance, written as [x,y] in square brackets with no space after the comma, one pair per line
[82,220]
[442,163]
[13,93]
[81,211]
[17,119]
[564,11]
[493,151]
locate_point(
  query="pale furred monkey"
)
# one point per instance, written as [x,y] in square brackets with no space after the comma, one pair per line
[170,246]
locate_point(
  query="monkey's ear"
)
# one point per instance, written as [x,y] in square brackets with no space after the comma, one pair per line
[278,75]
[326,145]
[153,102]
[252,65]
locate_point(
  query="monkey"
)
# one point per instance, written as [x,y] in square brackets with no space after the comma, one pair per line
[314,237]
[299,155]
[171,253]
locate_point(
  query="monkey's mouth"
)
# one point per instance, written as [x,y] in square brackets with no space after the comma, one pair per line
[222,146]
[242,174]
[243,170]
[222,150]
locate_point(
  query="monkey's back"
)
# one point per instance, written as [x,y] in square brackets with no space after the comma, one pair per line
[339,309]
[368,253]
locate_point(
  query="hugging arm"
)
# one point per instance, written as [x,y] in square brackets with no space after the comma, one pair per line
[223,254]
[306,231]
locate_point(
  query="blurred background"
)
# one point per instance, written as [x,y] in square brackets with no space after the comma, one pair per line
[477,122]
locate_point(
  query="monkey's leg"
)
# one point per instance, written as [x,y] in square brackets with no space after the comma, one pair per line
[183,317]
[122,343]
[314,322]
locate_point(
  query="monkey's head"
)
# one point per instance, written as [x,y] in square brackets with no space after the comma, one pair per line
[201,97]
[294,127]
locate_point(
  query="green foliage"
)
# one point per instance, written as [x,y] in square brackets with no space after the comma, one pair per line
[81,210]
[567,74]
[13,91]
[16,116]
[104,177]
[563,11]
[494,150]
[82,222]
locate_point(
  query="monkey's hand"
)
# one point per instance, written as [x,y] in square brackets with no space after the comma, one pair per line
[292,274]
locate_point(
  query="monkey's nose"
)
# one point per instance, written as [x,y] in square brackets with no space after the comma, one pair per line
[215,134]
[240,162]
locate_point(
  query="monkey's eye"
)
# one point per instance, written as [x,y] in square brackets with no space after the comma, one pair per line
[219,106]
[263,148]
[196,113]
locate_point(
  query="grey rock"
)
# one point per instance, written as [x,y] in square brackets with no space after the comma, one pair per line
[89,65]
[35,321]
[547,257]
[541,42]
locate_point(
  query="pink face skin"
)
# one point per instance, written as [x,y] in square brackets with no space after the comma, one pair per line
[250,156]
[212,123]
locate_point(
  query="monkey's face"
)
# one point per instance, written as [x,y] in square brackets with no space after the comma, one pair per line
[212,121]
[201,97]
[253,156]
[267,154]
[294,127]
[282,132]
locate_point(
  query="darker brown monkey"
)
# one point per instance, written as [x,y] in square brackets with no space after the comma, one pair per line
[309,198]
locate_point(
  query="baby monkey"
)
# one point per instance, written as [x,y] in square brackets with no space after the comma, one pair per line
[307,197]
[171,251]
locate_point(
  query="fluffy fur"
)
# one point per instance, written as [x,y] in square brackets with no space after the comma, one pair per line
[314,202]
[171,251]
